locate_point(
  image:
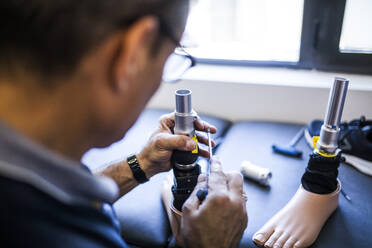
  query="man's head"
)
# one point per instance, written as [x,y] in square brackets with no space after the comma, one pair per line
[108,54]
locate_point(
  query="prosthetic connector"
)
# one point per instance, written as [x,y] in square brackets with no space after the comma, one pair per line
[184,163]
[327,144]
[321,173]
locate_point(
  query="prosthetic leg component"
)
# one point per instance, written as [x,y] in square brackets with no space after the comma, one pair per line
[288,228]
[320,176]
[322,171]
[327,144]
[184,184]
[184,125]
[174,215]
[185,168]
[317,197]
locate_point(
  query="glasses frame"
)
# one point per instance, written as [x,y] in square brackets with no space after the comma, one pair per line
[167,31]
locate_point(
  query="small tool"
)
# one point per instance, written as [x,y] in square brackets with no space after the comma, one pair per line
[202,193]
[290,149]
[347,197]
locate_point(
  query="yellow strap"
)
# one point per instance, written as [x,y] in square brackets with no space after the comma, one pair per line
[196,150]
[315,140]
[327,155]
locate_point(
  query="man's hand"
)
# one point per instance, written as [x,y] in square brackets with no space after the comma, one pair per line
[221,219]
[156,155]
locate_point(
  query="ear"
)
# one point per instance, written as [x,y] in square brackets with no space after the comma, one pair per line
[134,50]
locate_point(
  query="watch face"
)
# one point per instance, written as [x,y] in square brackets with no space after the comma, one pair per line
[132,160]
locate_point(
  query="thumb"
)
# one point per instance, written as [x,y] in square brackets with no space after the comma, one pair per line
[168,141]
[217,178]
[216,164]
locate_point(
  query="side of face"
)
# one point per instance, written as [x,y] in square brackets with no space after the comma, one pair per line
[124,73]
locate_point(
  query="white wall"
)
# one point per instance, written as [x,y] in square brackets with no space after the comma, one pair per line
[291,96]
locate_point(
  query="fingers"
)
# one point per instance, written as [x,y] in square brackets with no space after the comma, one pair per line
[166,141]
[204,140]
[216,165]
[217,179]
[236,191]
[193,202]
[202,178]
[235,183]
[166,122]
[166,117]
[203,126]
[204,153]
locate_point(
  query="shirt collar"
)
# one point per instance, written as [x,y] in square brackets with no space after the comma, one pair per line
[65,180]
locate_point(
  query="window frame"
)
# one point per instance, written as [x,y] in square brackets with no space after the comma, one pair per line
[320,37]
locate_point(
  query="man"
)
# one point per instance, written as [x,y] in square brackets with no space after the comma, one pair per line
[76,75]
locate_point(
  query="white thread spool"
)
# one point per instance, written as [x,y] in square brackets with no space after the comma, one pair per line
[256,173]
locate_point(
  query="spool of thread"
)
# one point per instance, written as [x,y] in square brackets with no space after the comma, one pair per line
[256,173]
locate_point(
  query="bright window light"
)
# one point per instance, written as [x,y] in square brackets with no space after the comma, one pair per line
[257,30]
[356,36]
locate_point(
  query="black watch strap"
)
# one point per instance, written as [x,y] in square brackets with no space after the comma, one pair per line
[138,173]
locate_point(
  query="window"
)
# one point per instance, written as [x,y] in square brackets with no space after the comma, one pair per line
[320,34]
[261,30]
[355,35]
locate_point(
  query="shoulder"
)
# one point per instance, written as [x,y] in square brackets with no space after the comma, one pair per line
[30,217]
[18,197]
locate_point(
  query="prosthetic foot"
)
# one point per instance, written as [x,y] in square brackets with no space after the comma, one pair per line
[299,222]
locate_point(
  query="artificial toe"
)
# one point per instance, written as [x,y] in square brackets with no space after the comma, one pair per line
[298,224]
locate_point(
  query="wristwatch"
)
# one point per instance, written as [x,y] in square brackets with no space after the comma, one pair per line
[138,173]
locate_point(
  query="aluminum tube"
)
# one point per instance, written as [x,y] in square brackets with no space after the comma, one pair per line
[328,140]
[184,114]
[184,121]
[183,101]
[336,102]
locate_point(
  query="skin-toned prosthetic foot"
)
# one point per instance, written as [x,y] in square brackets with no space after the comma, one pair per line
[298,224]
[174,216]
